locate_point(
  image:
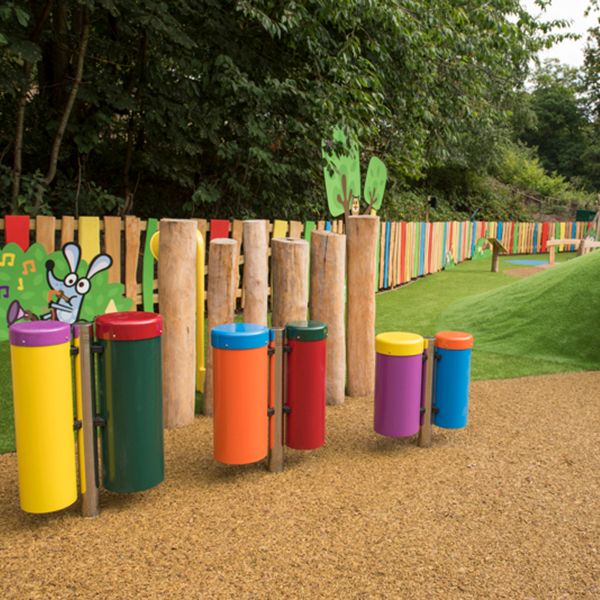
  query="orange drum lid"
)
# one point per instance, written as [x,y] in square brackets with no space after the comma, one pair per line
[454,340]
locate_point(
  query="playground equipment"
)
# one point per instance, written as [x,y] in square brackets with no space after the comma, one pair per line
[126,355]
[362,234]
[155,249]
[327,298]
[420,382]
[222,266]
[181,249]
[252,367]
[497,249]
[43,399]
[451,379]
[583,246]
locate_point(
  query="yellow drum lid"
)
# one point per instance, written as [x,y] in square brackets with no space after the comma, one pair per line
[399,343]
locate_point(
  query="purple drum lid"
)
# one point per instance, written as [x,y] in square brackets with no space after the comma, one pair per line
[39,333]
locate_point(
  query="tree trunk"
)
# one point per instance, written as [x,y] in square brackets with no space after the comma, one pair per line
[20,120]
[60,132]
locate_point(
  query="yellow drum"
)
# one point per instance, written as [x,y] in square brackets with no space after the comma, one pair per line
[43,403]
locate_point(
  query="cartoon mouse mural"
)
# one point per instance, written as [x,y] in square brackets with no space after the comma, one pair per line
[68,293]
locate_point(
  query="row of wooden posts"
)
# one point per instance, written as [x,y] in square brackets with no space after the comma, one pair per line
[337,262]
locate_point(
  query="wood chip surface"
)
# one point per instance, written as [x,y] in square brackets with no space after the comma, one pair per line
[521,272]
[508,508]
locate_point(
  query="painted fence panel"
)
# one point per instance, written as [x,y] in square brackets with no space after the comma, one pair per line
[407,249]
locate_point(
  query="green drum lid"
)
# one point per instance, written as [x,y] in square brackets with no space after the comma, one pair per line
[306,331]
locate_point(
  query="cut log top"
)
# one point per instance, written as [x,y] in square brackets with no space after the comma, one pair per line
[223,242]
[289,241]
[176,221]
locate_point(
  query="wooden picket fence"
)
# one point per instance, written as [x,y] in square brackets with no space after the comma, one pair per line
[406,250]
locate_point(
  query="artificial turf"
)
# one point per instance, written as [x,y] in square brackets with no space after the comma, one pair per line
[543,324]
[470,297]
[547,323]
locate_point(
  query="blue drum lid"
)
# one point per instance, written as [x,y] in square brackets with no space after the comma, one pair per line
[239,336]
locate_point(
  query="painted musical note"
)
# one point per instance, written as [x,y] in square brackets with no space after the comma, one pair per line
[28,267]
[20,287]
[5,289]
[11,260]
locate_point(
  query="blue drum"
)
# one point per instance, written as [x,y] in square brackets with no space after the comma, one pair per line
[451,380]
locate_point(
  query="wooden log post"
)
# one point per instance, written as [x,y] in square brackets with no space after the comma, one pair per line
[551,253]
[424,438]
[361,232]
[220,299]
[327,304]
[256,272]
[495,259]
[177,303]
[289,264]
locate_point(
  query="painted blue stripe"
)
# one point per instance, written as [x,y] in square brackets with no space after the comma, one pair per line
[473,233]
[386,256]
[444,245]
[535,237]
[573,234]
[422,252]
[327,225]
[500,231]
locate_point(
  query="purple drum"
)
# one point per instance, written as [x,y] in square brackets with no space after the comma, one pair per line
[398,377]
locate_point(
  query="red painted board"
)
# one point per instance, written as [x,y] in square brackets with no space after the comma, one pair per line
[219,228]
[545,228]
[16,229]
[403,254]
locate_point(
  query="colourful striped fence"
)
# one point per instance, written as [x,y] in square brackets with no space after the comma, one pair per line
[407,250]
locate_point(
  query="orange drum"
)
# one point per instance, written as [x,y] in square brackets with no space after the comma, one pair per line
[240,387]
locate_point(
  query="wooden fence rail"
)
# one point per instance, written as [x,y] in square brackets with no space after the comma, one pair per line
[406,250]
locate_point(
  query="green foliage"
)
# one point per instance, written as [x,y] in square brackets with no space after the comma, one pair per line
[560,129]
[519,168]
[219,106]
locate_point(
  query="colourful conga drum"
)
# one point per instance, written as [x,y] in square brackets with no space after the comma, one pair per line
[240,388]
[306,375]
[43,405]
[451,379]
[130,385]
[398,378]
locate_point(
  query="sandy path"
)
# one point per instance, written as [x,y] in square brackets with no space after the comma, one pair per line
[509,508]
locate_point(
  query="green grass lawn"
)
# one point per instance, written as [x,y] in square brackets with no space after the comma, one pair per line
[430,304]
[496,307]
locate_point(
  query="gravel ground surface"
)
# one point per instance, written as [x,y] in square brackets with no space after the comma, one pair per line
[508,508]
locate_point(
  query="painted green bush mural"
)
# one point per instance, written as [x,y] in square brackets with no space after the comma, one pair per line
[342,177]
[60,286]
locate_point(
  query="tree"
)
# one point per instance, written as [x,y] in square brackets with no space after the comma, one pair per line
[220,106]
[559,132]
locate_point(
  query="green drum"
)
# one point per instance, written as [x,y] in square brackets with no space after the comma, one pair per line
[130,394]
